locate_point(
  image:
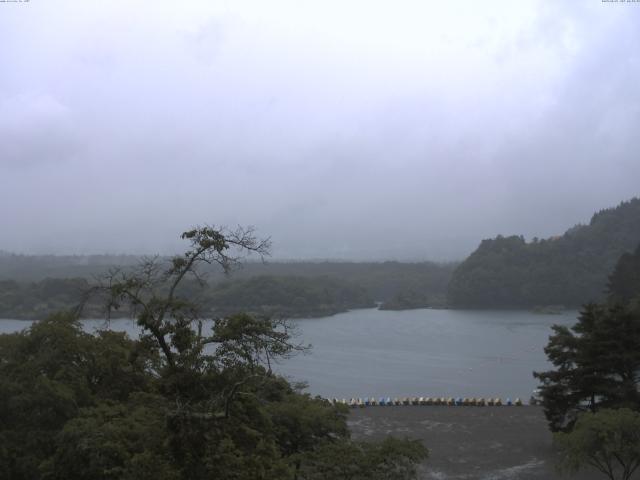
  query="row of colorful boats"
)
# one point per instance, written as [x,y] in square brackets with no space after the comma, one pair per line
[450,401]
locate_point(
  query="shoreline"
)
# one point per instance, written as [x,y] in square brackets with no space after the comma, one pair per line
[320,314]
[470,442]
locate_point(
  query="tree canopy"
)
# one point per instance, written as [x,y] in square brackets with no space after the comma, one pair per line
[189,399]
[608,440]
[597,361]
[597,365]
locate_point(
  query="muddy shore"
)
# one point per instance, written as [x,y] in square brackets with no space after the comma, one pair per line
[484,443]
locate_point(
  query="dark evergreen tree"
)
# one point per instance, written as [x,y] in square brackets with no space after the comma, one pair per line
[597,361]
[597,365]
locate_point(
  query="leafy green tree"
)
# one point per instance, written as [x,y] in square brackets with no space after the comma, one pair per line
[49,374]
[152,292]
[608,441]
[114,440]
[231,413]
[180,402]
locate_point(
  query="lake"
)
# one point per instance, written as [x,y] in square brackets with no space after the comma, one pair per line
[424,352]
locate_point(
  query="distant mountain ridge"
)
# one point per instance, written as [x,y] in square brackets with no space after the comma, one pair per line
[569,270]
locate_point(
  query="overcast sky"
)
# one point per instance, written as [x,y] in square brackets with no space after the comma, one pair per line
[342,129]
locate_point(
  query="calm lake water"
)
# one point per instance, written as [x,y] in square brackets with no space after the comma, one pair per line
[424,352]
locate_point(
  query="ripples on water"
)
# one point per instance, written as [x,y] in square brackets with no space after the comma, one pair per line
[411,353]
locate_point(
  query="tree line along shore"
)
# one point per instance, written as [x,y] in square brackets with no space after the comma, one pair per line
[184,402]
[545,275]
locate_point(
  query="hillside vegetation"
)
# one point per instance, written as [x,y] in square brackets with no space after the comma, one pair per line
[568,270]
[288,296]
[290,289]
[504,272]
[624,282]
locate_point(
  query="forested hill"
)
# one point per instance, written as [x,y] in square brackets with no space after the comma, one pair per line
[34,287]
[568,270]
[624,282]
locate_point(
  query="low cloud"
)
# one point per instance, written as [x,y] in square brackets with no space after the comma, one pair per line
[35,129]
[342,130]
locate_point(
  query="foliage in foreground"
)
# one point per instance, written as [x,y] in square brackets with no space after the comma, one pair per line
[180,402]
[592,398]
[597,361]
[608,440]
[103,406]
